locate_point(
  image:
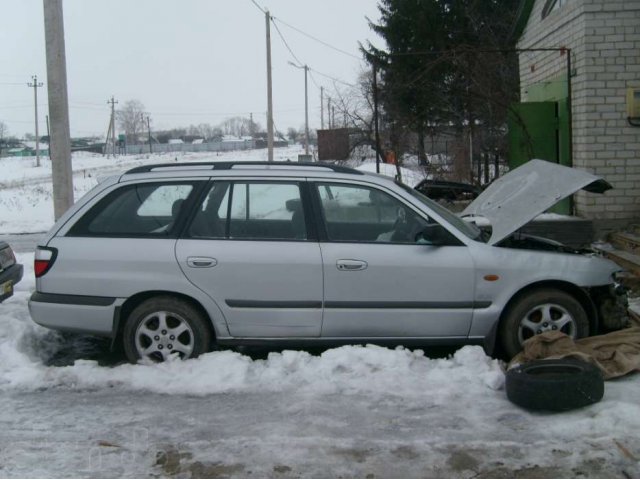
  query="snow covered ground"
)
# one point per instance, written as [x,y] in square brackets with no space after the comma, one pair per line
[346,412]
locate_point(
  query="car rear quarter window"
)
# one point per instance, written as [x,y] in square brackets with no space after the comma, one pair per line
[148,209]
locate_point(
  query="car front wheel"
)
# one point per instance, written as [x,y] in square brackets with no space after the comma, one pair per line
[542,311]
[163,327]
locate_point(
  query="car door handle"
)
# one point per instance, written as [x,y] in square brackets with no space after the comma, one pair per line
[201,262]
[351,265]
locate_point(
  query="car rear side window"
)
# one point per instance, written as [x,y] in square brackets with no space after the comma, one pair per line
[251,210]
[147,209]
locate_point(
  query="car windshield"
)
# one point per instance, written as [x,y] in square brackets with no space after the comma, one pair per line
[469,229]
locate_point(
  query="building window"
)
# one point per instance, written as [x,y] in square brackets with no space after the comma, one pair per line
[552,5]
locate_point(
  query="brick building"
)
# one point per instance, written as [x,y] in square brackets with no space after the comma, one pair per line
[604,40]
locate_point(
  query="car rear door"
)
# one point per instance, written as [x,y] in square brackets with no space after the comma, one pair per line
[250,247]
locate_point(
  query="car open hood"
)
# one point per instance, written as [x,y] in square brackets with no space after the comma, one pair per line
[527,191]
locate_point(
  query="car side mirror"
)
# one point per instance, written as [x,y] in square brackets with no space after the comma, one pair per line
[436,235]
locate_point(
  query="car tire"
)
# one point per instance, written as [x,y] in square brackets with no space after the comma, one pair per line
[554,385]
[163,326]
[540,311]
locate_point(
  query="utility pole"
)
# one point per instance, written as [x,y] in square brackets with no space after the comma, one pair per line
[306,106]
[269,95]
[62,175]
[112,125]
[322,108]
[35,85]
[148,130]
[306,112]
[49,135]
[329,112]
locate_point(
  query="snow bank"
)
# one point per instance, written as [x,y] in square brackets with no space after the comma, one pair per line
[346,370]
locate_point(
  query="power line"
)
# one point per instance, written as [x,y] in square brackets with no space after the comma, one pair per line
[212,113]
[81,102]
[332,78]
[303,63]
[313,79]
[84,107]
[344,52]
[258,6]
[220,114]
[285,43]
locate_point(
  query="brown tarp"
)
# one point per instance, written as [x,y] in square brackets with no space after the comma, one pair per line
[616,353]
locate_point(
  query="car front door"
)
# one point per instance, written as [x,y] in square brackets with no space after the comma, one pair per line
[379,280]
[249,247]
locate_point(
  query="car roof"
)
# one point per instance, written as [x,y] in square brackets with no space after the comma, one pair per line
[248,169]
[258,166]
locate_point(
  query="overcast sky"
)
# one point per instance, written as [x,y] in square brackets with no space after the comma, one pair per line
[187,61]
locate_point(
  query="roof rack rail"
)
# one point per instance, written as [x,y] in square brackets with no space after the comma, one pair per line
[230,165]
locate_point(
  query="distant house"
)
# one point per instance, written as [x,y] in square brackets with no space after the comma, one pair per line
[28,149]
[584,110]
[175,141]
[19,152]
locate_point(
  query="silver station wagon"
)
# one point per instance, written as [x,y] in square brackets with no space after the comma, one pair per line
[171,259]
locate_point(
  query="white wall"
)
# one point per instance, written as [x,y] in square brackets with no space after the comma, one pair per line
[604,37]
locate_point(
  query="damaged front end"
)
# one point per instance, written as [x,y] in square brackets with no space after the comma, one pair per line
[531,242]
[612,304]
[609,301]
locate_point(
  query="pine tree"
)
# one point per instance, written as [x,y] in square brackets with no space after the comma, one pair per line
[442,65]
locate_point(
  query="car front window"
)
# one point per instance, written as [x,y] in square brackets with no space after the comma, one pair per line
[468,229]
[355,213]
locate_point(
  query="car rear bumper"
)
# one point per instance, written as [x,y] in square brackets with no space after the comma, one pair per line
[74,313]
[8,278]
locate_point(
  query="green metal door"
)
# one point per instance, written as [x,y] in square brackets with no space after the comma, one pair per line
[535,131]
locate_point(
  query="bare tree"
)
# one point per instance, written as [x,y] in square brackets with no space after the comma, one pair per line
[354,110]
[239,126]
[206,130]
[292,134]
[130,119]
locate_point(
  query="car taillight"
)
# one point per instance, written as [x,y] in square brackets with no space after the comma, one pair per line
[44,259]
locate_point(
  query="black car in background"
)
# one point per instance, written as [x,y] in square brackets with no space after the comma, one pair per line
[454,195]
[10,271]
[449,191]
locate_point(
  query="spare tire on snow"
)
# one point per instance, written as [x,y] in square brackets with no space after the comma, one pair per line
[556,385]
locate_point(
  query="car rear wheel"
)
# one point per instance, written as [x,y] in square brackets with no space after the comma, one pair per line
[542,311]
[164,327]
